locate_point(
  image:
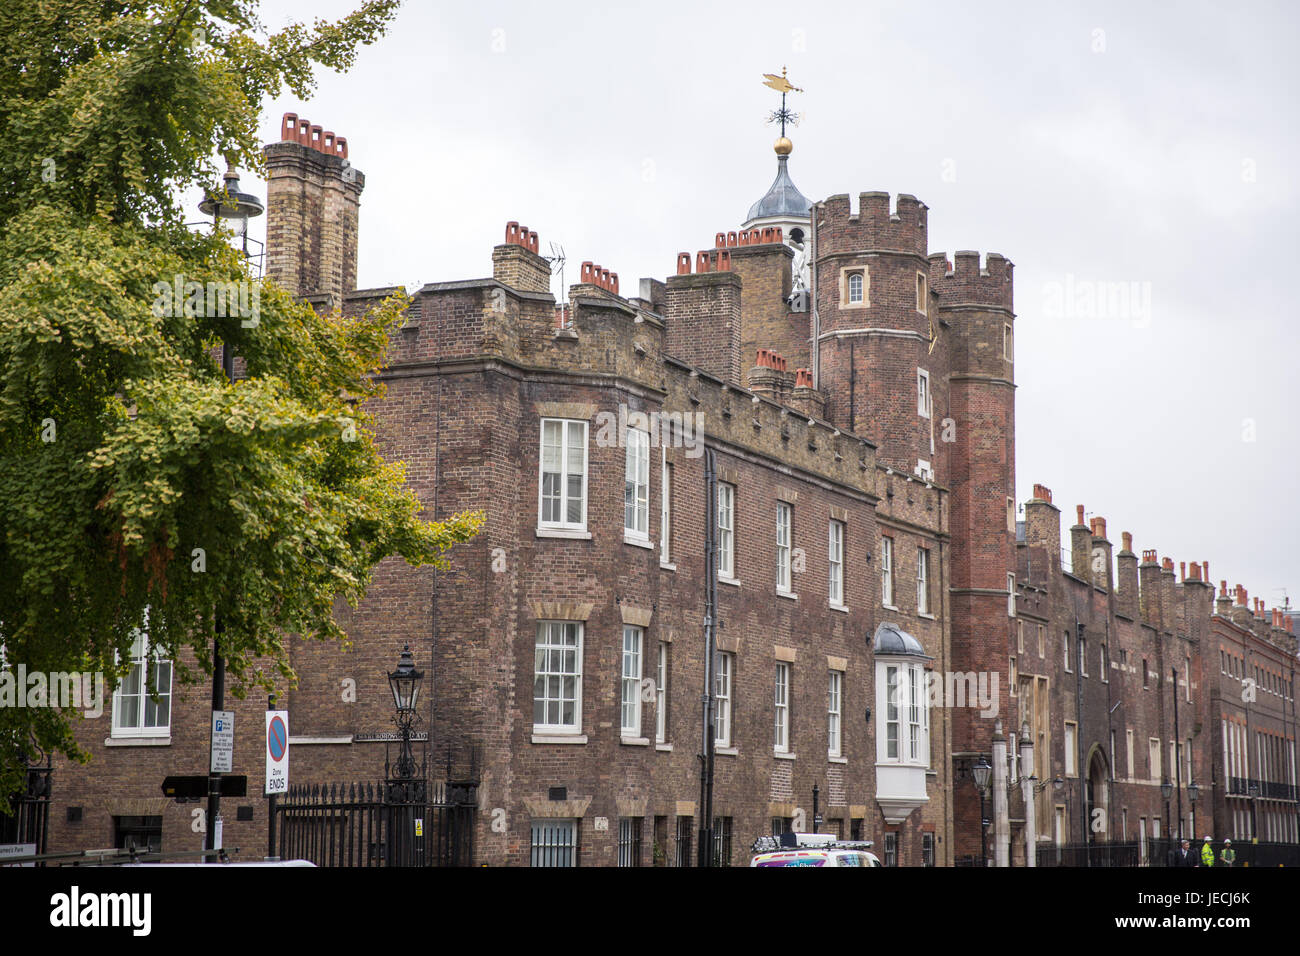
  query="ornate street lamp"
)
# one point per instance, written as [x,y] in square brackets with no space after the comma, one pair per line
[981,772]
[405,683]
[230,202]
[1193,794]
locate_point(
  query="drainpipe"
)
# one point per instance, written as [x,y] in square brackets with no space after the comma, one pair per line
[708,734]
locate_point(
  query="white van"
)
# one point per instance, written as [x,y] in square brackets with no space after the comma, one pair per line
[812,849]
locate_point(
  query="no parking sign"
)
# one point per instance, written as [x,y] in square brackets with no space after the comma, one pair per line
[277,751]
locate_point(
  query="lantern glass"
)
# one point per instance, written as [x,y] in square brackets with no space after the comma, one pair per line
[405,683]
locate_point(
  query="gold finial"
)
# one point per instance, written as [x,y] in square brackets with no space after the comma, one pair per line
[783,146]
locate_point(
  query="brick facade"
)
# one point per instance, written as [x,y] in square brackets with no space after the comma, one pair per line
[718,354]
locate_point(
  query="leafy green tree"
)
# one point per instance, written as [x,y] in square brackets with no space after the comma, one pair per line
[137,484]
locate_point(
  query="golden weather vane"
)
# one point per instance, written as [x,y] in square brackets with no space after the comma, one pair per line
[782,86]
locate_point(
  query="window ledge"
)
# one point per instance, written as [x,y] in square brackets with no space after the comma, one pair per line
[665,747]
[837,759]
[889,607]
[734,582]
[839,607]
[638,541]
[663,566]
[790,595]
[559,738]
[634,741]
[783,755]
[725,751]
[573,533]
[137,741]
[929,617]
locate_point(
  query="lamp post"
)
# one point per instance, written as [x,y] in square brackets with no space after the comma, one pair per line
[229,203]
[405,684]
[817,817]
[981,772]
[1167,791]
[1193,794]
[1253,789]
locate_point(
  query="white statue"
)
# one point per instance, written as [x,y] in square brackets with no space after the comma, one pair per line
[800,273]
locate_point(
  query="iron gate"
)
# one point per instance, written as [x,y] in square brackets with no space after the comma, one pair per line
[374,824]
[28,819]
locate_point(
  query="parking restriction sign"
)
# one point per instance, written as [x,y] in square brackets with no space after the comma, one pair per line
[277,751]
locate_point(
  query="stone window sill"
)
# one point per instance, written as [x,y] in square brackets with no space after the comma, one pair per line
[574,533]
[667,748]
[734,582]
[137,741]
[559,738]
[725,751]
[837,759]
[638,542]
[634,741]
[840,607]
[782,755]
[667,567]
[790,595]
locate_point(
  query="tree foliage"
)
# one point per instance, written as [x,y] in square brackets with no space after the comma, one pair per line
[137,484]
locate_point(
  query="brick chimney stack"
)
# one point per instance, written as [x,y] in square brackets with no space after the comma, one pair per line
[1126,579]
[313,196]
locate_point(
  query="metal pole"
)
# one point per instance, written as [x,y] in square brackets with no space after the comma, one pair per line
[1078,736]
[213,821]
[984,848]
[214,778]
[271,801]
[1178,773]
[707,730]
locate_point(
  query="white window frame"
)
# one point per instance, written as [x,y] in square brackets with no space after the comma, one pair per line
[1008,342]
[835,563]
[1069,668]
[636,486]
[922,580]
[726,530]
[551,629]
[924,402]
[665,508]
[722,682]
[1071,748]
[630,683]
[143,653]
[1153,758]
[1081,643]
[887,571]
[1128,755]
[661,694]
[563,495]
[784,541]
[781,696]
[916,707]
[1011,594]
[893,712]
[924,469]
[922,294]
[835,714]
[861,281]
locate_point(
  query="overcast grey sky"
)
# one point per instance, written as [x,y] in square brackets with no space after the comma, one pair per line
[1091,143]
